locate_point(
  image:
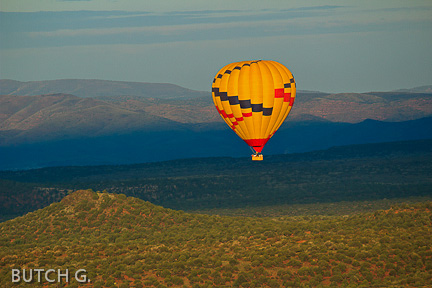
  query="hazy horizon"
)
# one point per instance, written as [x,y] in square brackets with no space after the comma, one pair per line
[330,46]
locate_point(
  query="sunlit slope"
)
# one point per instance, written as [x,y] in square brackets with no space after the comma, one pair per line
[40,111]
[128,242]
[43,118]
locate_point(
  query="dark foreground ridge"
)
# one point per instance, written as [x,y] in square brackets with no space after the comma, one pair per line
[126,242]
[350,173]
[217,165]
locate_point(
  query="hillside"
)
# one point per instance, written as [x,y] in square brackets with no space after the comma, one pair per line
[192,111]
[188,106]
[126,242]
[317,106]
[356,107]
[27,119]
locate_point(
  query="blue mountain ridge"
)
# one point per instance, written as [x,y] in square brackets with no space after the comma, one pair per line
[152,146]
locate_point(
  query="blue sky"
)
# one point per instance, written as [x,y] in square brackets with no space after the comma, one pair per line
[330,46]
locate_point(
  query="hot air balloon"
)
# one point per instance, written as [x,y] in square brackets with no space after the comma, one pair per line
[254,98]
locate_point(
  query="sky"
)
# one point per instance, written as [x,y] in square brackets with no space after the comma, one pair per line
[329,46]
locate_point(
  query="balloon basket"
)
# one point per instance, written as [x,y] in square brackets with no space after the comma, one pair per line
[257,157]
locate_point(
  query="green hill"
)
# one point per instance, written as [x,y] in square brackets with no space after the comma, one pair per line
[126,242]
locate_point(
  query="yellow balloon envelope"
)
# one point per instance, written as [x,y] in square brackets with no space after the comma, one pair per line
[254,98]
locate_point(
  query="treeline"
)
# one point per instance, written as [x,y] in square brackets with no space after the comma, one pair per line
[352,173]
[18,198]
[217,165]
[283,183]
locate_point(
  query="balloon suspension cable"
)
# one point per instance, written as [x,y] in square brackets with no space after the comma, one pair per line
[256,156]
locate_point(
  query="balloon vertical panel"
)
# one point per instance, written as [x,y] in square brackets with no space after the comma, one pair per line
[254,98]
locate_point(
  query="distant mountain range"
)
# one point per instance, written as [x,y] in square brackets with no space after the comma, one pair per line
[95,88]
[420,89]
[27,119]
[83,122]
[356,107]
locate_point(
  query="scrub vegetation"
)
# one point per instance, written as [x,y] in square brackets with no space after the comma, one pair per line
[127,242]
